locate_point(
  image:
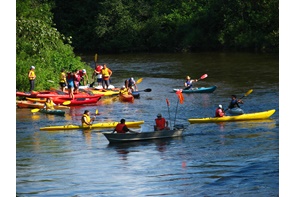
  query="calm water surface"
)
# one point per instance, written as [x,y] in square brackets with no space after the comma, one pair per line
[224,159]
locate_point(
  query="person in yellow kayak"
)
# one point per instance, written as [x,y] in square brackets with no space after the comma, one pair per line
[49,104]
[62,80]
[219,112]
[122,127]
[32,77]
[86,120]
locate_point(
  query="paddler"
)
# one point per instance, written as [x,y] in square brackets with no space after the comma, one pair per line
[86,120]
[122,128]
[49,104]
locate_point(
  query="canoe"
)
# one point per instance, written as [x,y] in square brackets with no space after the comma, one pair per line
[126,98]
[33,105]
[76,101]
[129,137]
[198,90]
[93,126]
[56,93]
[53,112]
[243,117]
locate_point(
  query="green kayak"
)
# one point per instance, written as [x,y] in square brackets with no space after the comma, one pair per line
[53,112]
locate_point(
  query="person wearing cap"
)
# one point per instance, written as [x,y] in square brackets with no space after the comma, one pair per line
[234,103]
[97,75]
[86,120]
[32,77]
[106,74]
[122,128]
[219,112]
[161,123]
[189,82]
[83,73]
[131,83]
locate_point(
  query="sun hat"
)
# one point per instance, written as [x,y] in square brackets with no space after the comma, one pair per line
[220,106]
[159,115]
[32,67]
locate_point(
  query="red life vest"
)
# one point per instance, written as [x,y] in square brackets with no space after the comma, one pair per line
[119,128]
[219,113]
[160,123]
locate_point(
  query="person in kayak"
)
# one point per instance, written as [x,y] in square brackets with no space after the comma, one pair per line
[161,123]
[49,104]
[219,112]
[234,103]
[86,120]
[122,128]
[106,75]
[62,80]
[32,77]
[124,91]
[189,83]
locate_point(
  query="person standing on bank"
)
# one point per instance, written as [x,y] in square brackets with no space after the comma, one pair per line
[106,74]
[97,76]
[219,112]
[122,128]
[32,77]
[63,80]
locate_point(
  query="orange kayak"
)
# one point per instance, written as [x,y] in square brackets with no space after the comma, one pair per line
[126,98]
[30,104]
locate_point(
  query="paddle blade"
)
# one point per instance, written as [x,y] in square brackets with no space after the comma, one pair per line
[95,57]
[35,110]
[249,92]
[66,103]
[96,111]
[204,76]
[148,90]
[139,80]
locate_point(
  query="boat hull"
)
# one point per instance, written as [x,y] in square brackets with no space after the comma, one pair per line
[130,137]
[76,101]
[93,126]
[126,98]
[198,90]
[33,105]
[243,117]
[53,112]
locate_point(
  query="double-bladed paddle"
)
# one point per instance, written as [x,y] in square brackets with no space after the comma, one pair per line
[146,90]
[139,81]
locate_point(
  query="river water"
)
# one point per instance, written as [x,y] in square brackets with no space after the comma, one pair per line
[224,159]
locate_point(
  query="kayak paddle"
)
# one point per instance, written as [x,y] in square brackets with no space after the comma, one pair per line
[35,110]
[139,81]
[146,90]
[204,76]
[95,57]
[66,103]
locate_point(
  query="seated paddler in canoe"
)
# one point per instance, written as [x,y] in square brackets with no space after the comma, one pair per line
[122,128]
[161,123]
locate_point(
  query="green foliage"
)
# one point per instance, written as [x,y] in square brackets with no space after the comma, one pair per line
[38,43]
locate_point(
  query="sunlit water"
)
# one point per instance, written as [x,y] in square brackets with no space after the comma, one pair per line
[224,159]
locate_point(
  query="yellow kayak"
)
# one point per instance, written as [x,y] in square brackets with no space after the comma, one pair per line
[93,126]
[105,92]
[243,117]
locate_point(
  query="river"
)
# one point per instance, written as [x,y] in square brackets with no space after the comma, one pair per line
[225,159]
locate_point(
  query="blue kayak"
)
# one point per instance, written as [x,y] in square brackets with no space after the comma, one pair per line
[136,94]
[198,90]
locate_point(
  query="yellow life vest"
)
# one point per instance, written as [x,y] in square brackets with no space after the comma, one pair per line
[32,75]
[62,77]
[105,72]
[49,105]
[87,119]
[124,91]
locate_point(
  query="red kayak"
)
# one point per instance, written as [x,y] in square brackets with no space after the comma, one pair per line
[56,93]
[126,98]
[76,101]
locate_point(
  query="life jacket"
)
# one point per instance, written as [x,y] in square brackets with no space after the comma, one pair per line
[77,77]
[32,75]
[124,91]
[160,123]
[119,128]
[234,103]
[219,112]
[62,77]
[87,120]
[99,68]
[105,73]
[49,105]
[188,83]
